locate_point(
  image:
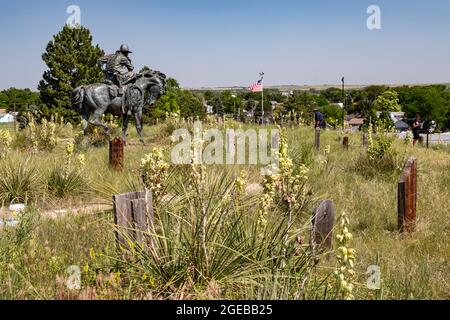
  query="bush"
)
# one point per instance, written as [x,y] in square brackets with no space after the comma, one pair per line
[381,158]
[37,136]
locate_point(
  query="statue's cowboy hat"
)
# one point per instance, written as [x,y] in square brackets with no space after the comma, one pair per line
[124,48]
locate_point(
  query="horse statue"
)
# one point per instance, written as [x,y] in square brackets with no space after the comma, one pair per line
[95,100]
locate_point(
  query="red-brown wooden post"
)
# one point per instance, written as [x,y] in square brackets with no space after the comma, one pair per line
[116,153]
[407,197]
[345,143]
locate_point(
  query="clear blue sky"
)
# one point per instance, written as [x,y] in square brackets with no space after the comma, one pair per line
[227,42]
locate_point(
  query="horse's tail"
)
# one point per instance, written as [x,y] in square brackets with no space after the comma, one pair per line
[77,98]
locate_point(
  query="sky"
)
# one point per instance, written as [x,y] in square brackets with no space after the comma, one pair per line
[210,43]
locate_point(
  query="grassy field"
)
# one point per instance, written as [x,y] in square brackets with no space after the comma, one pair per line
[244,260]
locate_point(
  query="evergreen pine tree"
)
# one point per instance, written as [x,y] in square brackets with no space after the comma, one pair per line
[72,61]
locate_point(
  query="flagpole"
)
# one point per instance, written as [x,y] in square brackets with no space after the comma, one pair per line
[262,98]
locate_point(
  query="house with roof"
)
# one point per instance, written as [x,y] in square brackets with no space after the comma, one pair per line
[356,123]
[6,117]
[398,120]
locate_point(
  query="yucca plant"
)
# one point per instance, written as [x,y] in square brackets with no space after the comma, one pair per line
[19,181]
[62,183]
[229,247]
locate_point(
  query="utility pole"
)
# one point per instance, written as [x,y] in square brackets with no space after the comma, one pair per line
[15,123]
[343,100]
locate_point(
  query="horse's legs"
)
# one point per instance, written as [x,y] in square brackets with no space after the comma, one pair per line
[95,120]
[85,121]
[125,119]
[138,118]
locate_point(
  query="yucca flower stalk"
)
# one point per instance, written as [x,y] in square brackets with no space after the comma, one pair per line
[68,162]
[32,134]
[346,258]
[81,159]
[408,138]
[197,173]
[5,143]
[154,171]
[240,185]
[286,187]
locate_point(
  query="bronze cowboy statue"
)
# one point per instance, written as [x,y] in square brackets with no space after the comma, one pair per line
[117,67]
[121,94]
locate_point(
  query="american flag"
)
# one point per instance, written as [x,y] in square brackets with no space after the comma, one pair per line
[256,87]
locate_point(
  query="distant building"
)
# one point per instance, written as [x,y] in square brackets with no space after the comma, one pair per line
[6,117]
[209,109]
[287,93]
[395,116]
[356,123]
[397,119]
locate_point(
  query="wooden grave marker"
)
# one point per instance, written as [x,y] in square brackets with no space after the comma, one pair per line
[345,143]
[322,226]
[116,153]
[365,139]
[407,197]
[317,138]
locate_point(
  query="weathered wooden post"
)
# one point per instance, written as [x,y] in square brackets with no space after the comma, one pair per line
[365,139]
[322,226]
[345,143]
[133,216]
[407,197]
[116,153]
[317,139]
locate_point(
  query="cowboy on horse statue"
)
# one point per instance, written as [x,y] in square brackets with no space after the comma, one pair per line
[121,94]
[118,68]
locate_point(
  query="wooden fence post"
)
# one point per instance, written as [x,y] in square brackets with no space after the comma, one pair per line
[322,226]
[317,139]
[116,153]
[345,142]
[407,197]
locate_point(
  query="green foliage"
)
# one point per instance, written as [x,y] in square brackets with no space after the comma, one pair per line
[333,95]
[20,98]
[72,61]
[381,158]
[431,103]
[177,101]
[305,102]
[388,101]
[334,115]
